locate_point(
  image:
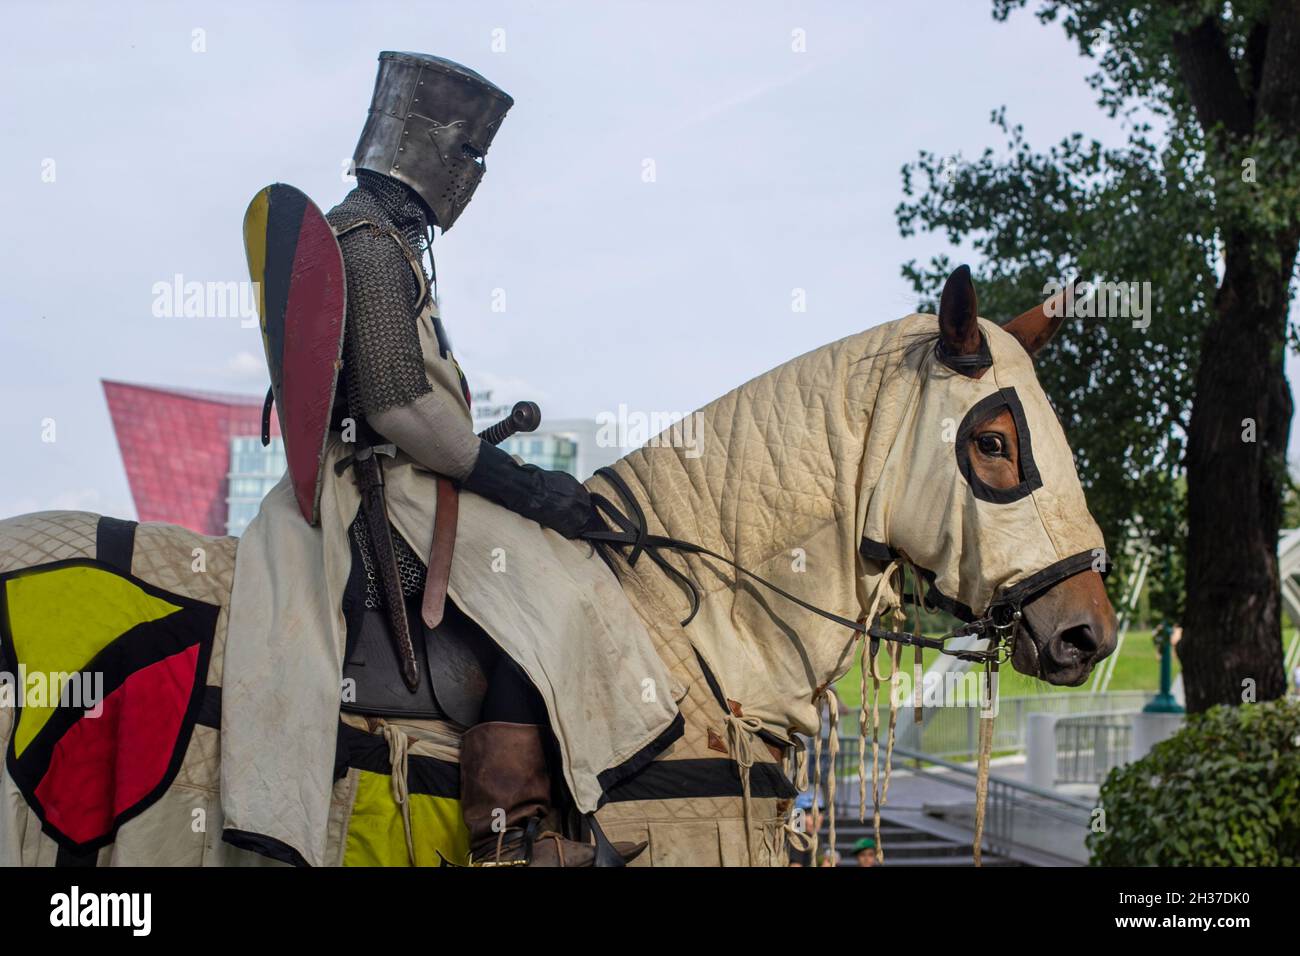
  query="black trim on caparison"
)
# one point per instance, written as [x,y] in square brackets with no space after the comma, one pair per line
[264,845]
[982,411]
[934,598]
[612,776]
[1095,560]
[702,778]
[115,543]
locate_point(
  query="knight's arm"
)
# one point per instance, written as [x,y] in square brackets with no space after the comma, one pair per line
[388,385]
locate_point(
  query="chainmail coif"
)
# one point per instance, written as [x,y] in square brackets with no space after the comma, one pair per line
[396,202]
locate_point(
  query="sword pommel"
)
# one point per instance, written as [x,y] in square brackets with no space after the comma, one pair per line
[524,417]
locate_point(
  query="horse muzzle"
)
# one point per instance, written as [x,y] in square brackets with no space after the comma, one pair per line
[1065,631]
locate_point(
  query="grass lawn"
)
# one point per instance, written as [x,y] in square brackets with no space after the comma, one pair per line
[1138,668]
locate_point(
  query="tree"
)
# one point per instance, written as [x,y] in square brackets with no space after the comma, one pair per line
[1203,202]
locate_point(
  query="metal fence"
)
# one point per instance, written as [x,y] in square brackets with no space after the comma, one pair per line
[953,732]
[1089,746]
[1018,815]
[1093,735]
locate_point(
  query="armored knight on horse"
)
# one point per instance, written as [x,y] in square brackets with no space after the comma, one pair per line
[400,395]
[421,651]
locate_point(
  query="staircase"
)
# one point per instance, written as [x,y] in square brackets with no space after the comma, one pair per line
[905,846]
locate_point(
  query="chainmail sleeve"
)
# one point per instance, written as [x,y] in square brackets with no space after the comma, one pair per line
[382,362]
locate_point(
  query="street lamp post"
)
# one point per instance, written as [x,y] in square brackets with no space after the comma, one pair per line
[1163,702]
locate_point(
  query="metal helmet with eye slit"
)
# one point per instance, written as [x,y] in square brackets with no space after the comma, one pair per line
[430,124]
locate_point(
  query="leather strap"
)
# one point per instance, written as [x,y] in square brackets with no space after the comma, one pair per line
[440,553]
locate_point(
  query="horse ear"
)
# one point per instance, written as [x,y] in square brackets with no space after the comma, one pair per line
[1035,328]
[958,329]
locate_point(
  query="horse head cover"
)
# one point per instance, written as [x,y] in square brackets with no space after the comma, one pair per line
[977,545]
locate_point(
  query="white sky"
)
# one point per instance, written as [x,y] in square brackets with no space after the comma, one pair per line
[775,170]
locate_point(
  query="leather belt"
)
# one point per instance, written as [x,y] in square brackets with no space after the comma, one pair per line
[523,417]
[440,553]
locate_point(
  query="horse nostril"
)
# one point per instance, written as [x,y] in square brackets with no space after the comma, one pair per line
[1080,640]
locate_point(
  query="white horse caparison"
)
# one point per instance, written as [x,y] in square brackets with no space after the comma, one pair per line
[792,483]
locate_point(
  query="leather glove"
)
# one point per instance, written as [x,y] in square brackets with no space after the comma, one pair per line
[554,499]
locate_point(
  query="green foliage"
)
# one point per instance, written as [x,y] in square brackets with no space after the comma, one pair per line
[1223,791]
[1157,210]
[1123,393]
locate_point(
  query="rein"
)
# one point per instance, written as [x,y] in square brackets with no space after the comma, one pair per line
[998,625]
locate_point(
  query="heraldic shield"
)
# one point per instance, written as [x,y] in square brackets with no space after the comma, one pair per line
[297,266]
[111,674]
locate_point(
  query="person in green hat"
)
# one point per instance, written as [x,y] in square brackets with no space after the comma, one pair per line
[865,851]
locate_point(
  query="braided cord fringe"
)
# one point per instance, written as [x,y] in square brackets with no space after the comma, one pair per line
[832,750]
[881,797]
[817,783]
[985,753]
[740,739]
[866,668]
[879,790]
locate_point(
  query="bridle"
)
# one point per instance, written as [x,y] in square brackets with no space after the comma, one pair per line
[997,625]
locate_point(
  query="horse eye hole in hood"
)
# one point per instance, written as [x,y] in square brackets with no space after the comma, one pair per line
[973,433]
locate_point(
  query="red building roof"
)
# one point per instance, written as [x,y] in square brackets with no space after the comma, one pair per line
[175,444]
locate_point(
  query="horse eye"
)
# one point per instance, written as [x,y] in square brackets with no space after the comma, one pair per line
[991,445]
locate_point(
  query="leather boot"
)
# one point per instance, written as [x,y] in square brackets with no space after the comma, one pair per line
[503,768]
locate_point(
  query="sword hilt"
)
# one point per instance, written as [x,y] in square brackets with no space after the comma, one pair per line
[524,417]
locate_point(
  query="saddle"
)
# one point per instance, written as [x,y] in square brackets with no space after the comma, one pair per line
[453,653]
[455,658]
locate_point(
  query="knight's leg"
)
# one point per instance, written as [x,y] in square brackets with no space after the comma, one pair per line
[505,781]
[511,696]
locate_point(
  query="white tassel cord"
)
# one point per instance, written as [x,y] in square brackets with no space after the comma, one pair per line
[987,718]
[740,741]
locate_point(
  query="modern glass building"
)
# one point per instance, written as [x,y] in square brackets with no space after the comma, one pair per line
[254,471]
[551,451]
[564,444]
[188,454]
[196,458]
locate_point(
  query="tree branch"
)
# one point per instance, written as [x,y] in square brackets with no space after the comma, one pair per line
[1211,80]
[1279,90]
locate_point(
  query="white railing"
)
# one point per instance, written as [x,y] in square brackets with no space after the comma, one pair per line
[953,732]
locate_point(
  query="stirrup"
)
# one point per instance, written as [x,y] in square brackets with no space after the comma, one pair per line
[526,837]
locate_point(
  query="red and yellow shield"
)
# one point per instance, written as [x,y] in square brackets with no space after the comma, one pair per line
[297,265]
[107,675]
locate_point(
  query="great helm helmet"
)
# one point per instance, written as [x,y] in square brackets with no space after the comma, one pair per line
[430,124]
